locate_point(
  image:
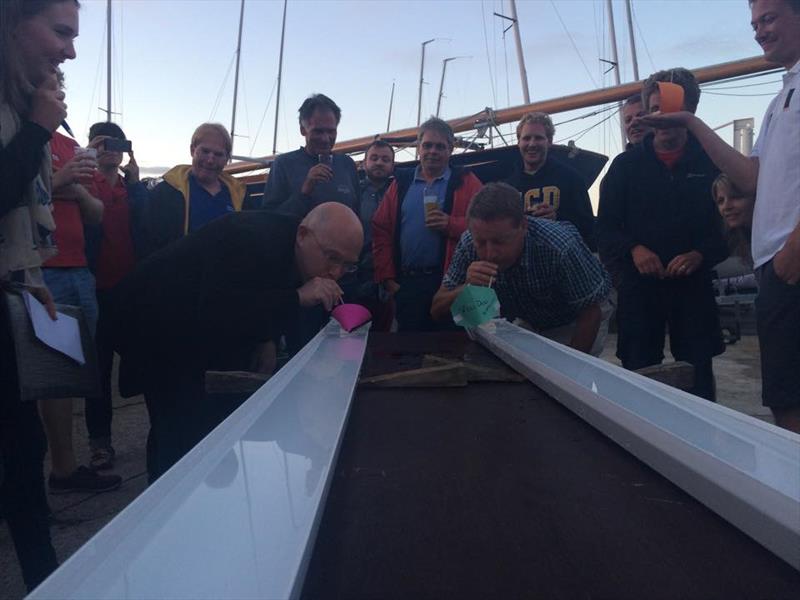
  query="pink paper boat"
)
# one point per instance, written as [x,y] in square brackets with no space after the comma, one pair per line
[351,316]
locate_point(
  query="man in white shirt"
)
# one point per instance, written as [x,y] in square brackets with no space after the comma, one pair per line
[772,172]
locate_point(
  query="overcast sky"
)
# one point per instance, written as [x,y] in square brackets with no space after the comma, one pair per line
[173,63]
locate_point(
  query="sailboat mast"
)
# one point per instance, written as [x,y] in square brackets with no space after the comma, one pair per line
[280,73]
[441,85]
[523,74]
[612,34]
[391,102]
[108,61]
[634,60]
[421,80]
[236,75]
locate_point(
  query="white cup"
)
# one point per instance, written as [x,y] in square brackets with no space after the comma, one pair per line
[89,152]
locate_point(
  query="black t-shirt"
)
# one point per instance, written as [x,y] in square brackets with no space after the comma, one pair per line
[563,188]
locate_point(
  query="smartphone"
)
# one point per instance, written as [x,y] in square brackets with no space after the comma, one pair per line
[117,145]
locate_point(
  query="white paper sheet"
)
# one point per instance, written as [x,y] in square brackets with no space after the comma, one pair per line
[63,334]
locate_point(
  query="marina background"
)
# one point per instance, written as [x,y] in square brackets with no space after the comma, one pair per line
[172,65]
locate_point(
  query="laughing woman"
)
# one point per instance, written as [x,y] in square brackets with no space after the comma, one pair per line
[736,209]
[36,36]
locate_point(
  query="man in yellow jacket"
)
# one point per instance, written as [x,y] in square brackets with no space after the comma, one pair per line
[190,196]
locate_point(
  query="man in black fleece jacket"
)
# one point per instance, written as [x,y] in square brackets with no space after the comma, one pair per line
[660,236]
[304,178]
[550,189]
[206,301]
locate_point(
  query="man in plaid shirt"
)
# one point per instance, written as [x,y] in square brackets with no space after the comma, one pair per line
[542,271]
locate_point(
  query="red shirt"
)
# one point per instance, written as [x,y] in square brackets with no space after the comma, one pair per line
[68,235]
[670,157]
[116,258]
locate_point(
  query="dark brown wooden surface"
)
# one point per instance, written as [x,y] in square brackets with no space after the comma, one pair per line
[496,491]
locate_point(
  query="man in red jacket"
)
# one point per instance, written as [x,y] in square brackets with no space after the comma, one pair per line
[417,226]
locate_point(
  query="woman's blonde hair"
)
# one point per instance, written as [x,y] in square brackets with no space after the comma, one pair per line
[739,238]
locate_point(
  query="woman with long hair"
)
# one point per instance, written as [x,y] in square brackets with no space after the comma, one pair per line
[36,36]
[736,209]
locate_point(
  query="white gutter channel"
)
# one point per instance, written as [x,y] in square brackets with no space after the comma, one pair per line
[238,515]
[745,470]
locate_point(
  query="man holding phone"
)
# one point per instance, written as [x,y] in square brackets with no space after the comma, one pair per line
[111,250]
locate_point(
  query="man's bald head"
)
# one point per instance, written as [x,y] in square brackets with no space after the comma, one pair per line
[328,241]
[333,218]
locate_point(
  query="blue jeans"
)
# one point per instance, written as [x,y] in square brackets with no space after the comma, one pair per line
[74,286]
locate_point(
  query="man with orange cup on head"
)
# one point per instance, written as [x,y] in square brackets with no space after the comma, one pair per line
[659,235]
[771,172]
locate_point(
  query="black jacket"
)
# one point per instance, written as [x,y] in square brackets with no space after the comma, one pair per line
[669,212]
[165,214]
[162,218]
[20,161]
[563,187]
[204,301]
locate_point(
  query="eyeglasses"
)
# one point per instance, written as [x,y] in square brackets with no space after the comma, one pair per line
[437,145]
[334,257]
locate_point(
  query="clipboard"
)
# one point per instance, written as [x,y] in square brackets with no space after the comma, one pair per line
[42,372]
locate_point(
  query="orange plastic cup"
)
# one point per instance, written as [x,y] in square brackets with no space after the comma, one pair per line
[671,97]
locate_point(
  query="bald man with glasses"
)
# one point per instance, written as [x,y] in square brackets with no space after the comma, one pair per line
[210,300]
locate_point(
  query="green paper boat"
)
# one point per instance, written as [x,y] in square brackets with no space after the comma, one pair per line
[475,305]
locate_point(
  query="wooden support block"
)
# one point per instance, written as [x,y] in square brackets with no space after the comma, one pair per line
[234,382]
[678,374]
[431,360]
[479,373]
[452,375]
[477,370]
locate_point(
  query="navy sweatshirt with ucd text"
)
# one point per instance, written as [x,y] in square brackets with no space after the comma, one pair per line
[562,187]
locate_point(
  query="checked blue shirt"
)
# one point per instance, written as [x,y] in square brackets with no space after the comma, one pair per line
[554,279]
